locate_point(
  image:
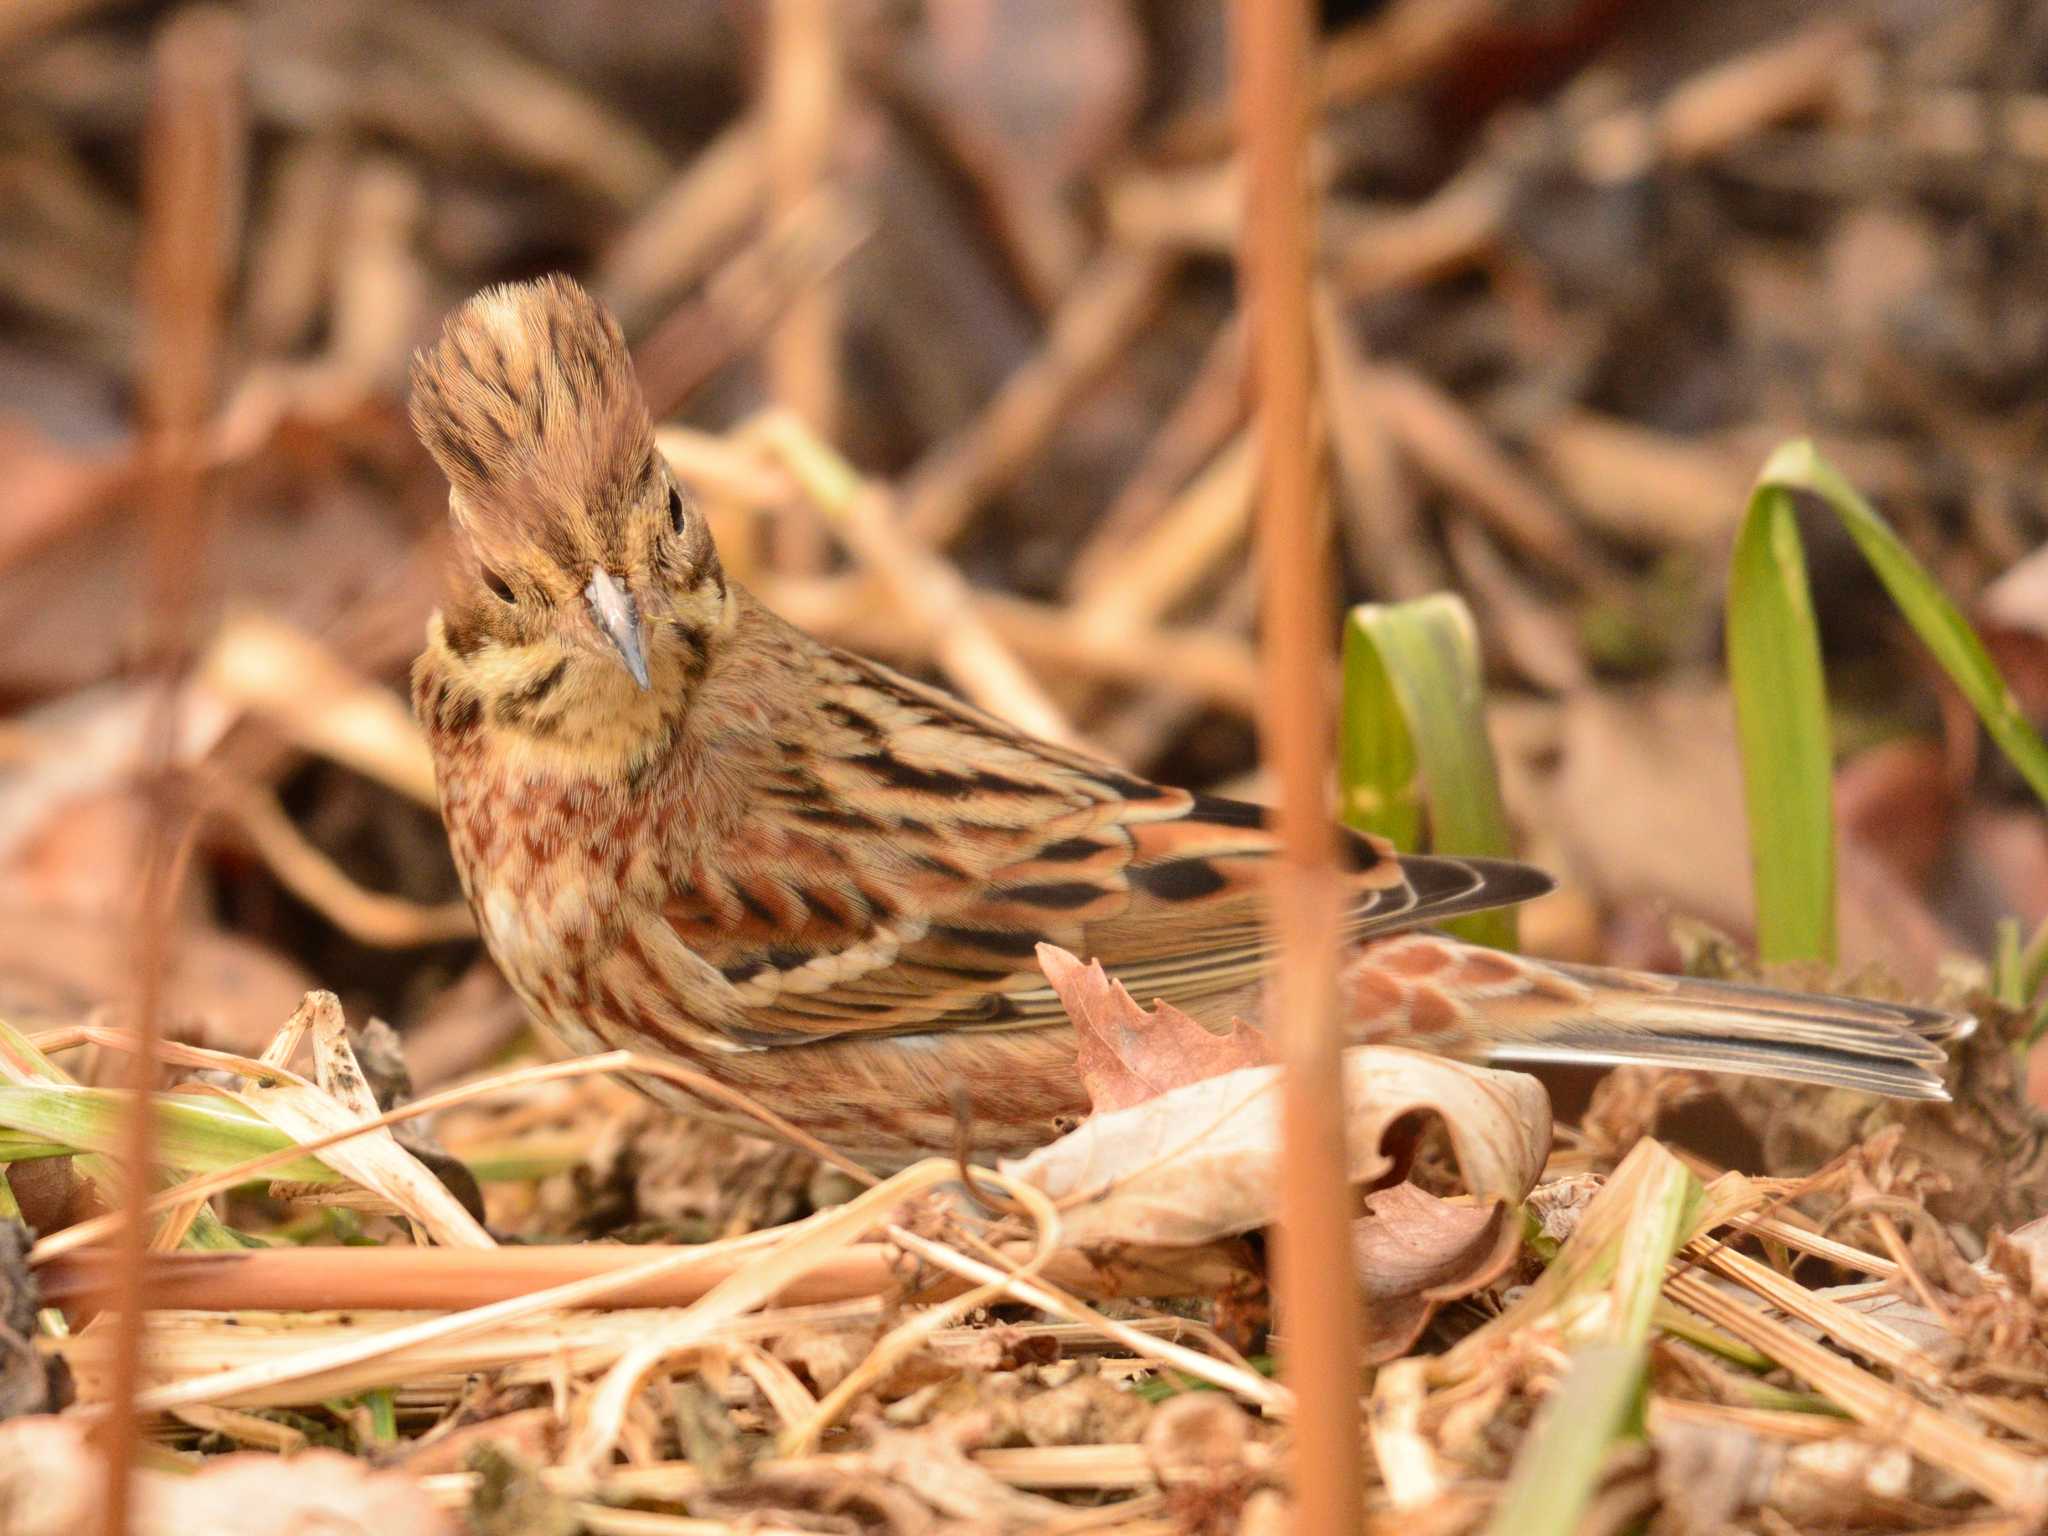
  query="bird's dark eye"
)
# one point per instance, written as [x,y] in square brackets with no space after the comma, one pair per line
[675,509]
[498,586]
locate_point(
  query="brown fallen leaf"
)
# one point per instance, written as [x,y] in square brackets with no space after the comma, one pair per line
[1414,1252]
[1130,1054]
[1183,1148]
[51,1479]
[1201,1161]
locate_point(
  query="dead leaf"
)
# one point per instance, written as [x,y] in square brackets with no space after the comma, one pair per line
[2023,1255]
[1129,1054]
[51,1478]
[1198,1437]
[267,666]
[375,1159]
[1201,1161]
[1089,1410]
[2019,599]
[1414,1252]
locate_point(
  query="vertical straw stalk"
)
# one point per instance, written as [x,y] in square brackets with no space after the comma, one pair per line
[1319,1307]
[190,195]
[802,94]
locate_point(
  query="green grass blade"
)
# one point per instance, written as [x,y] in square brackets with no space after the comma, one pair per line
[196,1135]
[1774,667]
[25,1070]
[1559,1465]
[1414,718]
[1936,620]
[1623,1245]
[1781,718]
[1382,783]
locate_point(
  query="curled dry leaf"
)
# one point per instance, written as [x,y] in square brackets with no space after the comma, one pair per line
[1183,1148]
[1201,1161]
[375,1160]
[1413,1252]
[1130,1054]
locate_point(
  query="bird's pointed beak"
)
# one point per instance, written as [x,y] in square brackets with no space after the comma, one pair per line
[618,616]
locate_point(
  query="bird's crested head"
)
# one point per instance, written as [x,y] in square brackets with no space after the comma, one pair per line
[577,557]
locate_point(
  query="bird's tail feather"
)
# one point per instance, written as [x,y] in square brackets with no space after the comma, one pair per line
[1507,1009]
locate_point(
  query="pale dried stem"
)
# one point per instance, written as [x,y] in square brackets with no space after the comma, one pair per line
[2001,1473]
[907,1338]
[1200,661]
[1536,634]
[743,299]
[1389,545]
[380,282]
[802,99]
[1232,1378]
[691,223]
[304,1369]
[1728,103]
[291,261]
[1094,325]
[399,1278]
[301,688]
[170,1052]
[798,1248]
[1163,566]
[1138,729]
[387,922]
[1645,486]
[86,1233]
[1895,1245]
[1209,412]
[1117,1468]
[921,582]
[1703,115]
[1447,444]
[530,114]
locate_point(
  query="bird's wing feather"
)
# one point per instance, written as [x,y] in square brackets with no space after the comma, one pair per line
[900,870]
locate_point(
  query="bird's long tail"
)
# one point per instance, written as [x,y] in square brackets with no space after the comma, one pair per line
[1478,1002]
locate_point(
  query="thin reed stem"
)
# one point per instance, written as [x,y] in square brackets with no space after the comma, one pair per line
[191,190]
[1319,1306]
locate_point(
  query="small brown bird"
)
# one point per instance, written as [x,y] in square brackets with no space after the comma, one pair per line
[686,827]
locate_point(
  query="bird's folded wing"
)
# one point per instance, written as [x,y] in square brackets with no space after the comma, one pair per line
[884,885]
